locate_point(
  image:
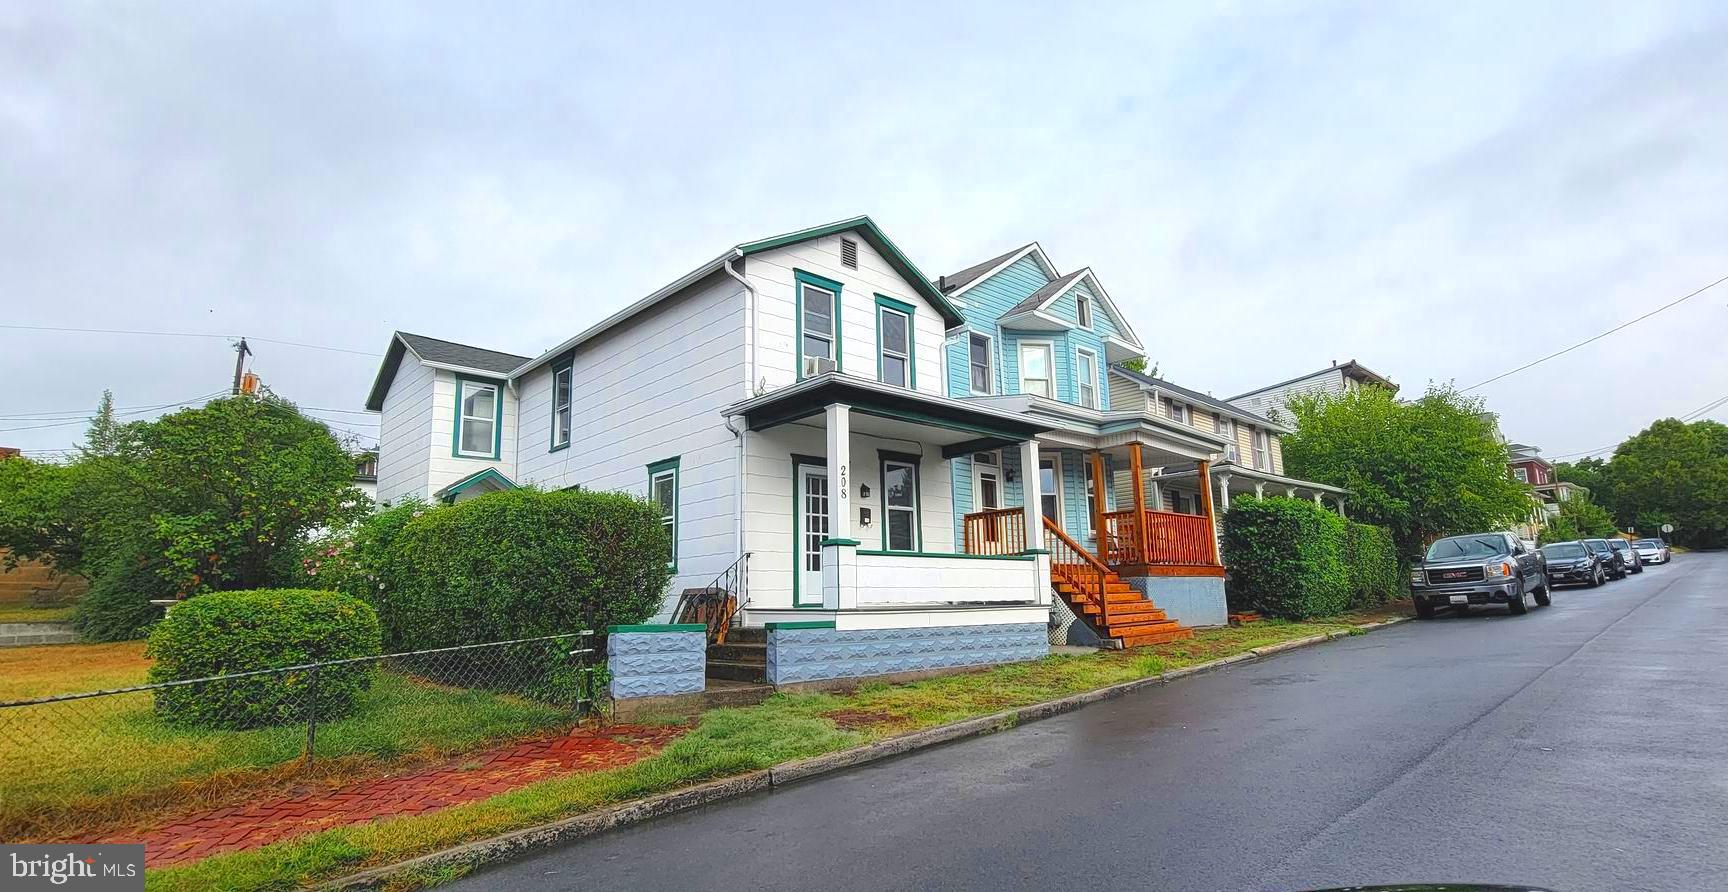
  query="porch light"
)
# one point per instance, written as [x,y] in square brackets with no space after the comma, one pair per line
[864,491]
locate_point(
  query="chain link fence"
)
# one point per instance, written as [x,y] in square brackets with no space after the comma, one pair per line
[439,701]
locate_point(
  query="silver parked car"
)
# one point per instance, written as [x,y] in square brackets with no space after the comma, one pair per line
[1628,554]
[1652,551]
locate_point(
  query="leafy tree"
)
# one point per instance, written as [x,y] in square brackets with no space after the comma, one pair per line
[1424,469]
[1138,364]
[1578,518]
[1674,472]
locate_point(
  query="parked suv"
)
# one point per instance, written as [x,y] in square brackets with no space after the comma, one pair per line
[1651,551]
[1628,555]
[1573,563]
[1611,560]
[1481,568]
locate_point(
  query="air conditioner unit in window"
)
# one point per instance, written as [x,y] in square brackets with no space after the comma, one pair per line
[816,365]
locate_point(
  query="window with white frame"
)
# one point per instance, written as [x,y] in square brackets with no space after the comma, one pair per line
[1262,450]
[983,372]
[1522,475]
[663,493]
[1050,487]
[1083,310]
[1091,497]
[1178,412]
[1037,370]
[987,480]
[1086,376]
[894,328]
[477,417]
[1227,429]
[561,407]
[817,315]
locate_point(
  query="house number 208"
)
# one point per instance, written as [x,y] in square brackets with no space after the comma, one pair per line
[843,485]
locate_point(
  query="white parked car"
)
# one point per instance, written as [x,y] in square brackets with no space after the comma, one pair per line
[1652,551]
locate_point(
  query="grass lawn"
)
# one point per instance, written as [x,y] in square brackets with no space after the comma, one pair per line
[25,613]
[724,742]
[88,764]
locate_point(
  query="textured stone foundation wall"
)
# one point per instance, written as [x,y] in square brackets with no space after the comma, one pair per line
[657,661]
[1190,600]
[801,653]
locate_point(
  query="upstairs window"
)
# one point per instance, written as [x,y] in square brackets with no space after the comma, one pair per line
[1262,450]
[1178,412]
[1522,475]
[561,407]
[1083,310]
[1036,374]
[479,415]
[982,371]
[818,318]
[894,343]
[1227,429]
[1086,376]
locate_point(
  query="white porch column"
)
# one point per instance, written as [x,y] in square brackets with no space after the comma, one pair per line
[1317,502]
[1032,496]
[1290,491]
[1341,508]
[1223,493]
[1259,489]
[839,550]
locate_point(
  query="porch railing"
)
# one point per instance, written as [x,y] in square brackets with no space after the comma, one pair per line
[717,604]
[995,531]
[1171,538]
[1073,564]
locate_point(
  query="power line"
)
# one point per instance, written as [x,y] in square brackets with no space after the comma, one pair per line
[1703,409]
[1597,337]
[188,334]
[134,411]
[1687,417]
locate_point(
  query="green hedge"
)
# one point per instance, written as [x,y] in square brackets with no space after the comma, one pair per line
[1371,562]
[521,564]
[1285,558]
[228,632]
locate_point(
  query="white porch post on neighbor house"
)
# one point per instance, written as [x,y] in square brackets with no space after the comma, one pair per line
[1223,493]
[1259,489]
[1032,512]
[839,550]
[1341,508]
[1317,501]
[1290,491]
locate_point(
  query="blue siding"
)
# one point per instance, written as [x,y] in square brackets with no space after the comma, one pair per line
[985,304]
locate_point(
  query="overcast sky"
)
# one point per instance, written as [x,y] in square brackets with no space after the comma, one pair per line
[1441,191]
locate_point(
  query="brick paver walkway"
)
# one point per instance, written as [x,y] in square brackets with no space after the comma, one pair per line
[466,779]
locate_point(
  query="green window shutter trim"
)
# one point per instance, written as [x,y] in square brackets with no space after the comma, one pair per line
[800,279]
[497,419]
[654,470]
[883,300]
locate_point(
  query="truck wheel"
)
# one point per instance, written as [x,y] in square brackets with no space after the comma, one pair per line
[1543,595]
[1424,611]
[1517,605]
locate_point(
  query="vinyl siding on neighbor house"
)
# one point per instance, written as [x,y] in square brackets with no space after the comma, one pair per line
[985,303]
[1264,402]
[649,389]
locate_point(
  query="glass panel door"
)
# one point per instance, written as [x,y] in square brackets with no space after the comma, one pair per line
[1050,488]
[812,523]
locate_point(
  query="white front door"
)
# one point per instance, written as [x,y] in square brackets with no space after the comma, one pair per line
[810,523]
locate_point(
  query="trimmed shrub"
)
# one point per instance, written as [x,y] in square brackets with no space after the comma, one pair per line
[1285,558]
[1371,562]
[522,564]
[228,632]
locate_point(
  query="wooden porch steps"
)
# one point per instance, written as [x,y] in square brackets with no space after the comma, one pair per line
[1134,619]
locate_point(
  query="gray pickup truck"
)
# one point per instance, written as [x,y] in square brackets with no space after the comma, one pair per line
[1480,568]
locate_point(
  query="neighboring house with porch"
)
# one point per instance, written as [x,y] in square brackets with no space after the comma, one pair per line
[1526,465]
[1337,379]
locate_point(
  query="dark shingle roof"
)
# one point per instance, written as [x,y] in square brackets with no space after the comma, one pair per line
[970,274]
[1192,396]
[452,353]
[1050,289]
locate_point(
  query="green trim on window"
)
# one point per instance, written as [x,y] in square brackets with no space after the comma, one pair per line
[654,470]
[799,462]
[804,624]
[800,279]
[883,302]
[1023,556]
[497,419]
[658,627]
[883,457]
[568,365]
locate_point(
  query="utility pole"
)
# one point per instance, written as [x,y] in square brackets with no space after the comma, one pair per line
[241,351]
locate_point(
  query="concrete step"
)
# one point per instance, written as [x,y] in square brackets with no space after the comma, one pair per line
[732,670]
[739,652]
[747,635]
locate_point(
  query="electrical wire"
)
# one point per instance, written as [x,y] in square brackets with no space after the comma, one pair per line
[189,334]
[133,411]
[1597,337]
[1687,417]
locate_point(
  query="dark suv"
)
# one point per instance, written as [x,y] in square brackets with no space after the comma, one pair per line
[1573,563]
[1481,568]
[1612,563]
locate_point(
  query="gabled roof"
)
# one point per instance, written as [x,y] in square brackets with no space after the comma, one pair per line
[1040,300]
[1197,398]
[490,479]
[978,273]
[1351,369]
[1051,290]
[445,354]
[863,225]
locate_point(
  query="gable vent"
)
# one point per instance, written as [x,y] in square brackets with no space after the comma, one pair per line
[849,253]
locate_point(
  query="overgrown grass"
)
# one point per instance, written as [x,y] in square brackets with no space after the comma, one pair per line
[25,613]
[91,763]
[725,742]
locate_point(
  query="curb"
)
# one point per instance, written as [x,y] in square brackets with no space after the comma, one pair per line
[464,858]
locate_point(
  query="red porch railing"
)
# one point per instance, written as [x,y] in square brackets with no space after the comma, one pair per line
[1173,538]
[996,531]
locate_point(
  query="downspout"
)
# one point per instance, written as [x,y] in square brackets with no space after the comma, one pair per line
[738,493]
[755,331]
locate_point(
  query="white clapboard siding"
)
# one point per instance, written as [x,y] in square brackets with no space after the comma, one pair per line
[919,579]
[446,467]
[405,433]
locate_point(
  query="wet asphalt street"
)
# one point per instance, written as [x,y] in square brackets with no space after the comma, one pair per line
[1581,747]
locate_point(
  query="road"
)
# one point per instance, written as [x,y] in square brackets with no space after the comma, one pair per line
[1581,747]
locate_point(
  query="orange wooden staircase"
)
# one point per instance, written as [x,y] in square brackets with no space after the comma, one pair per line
[1109,604]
